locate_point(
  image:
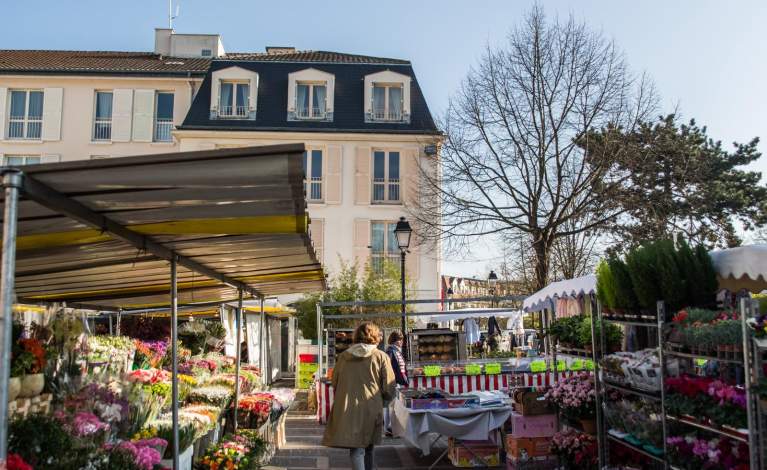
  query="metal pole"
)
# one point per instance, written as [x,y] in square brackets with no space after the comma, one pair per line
[321,363]
[405,341]
[119,321]
[174,355]
[745,313]
[261,361]
[661,308]
[11,183]
[597,388]
[111,330]
[237,321]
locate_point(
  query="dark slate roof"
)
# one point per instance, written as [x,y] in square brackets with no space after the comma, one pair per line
[99,62]
[314,57]
[348,112]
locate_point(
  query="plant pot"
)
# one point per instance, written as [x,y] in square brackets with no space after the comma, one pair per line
[32,385]
[589,426]
[184,460]
[14,387]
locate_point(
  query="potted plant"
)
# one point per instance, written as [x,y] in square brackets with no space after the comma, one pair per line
[28,365]
[575,396]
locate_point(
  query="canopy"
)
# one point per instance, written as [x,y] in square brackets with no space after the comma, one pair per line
[463,314]
[743,267]
[100,233]
[576,287]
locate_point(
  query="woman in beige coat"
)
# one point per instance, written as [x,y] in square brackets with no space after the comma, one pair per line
[363,381]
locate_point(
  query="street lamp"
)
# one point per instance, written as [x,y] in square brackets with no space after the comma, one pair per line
[492,279]
[403,232]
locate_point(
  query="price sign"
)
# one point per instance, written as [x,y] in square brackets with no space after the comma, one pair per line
[432,371]
[588,364]
[538,366]
[473,369]
[577,364]
[701,362]
[493,368]
[561,365]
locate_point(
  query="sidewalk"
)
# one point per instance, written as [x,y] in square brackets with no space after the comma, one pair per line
[303,450]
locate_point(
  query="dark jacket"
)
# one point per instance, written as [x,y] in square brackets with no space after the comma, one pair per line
[395,365]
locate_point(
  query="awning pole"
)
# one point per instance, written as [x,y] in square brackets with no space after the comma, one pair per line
[320,365]
[119,320]
[174,355]
[261,349]
[11,183]
[237,321]
[111,331]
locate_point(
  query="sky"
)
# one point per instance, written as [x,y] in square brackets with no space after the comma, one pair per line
[708,58]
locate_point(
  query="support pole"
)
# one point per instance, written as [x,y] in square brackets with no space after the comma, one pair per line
[597,386]
[111,330]
[320,358]
[119,321]
[11,184]
[174,355]
[237,325]
[405,341]
[261,349]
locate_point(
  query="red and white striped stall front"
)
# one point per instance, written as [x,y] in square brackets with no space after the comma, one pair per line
[453,384]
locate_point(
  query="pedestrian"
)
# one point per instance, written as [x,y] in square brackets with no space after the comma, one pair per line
[394,350]
[362,381]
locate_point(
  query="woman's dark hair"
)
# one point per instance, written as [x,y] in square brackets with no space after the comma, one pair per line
[367,333]
[395,336]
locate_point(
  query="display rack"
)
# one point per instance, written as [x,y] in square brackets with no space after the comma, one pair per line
[751,360]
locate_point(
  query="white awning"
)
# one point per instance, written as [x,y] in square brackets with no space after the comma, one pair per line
[462,314]
[573,288]
[743,267]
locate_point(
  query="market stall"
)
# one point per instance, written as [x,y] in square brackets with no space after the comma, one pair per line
[169,230]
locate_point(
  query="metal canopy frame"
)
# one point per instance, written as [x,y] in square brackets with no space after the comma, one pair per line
[55,205]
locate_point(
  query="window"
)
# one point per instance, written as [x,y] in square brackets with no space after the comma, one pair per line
[386,177]
[163,117]
[383,245]
[234,99]
[102,122]
[310,100]
[19,160]
[206,53]
[387,102]
[313,175]
[25,120]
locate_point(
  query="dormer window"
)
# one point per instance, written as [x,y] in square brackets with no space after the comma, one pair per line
[310,95]
[387,101]
[387,97]
[233,100]
[311,100]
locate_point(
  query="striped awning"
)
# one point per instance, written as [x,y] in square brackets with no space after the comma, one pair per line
[98,232]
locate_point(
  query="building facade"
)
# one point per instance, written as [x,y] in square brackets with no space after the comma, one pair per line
[364,121]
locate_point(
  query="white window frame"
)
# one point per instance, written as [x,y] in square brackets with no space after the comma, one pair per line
[106,122]
[377,257]
[313,115]
[388,183]
[162,128]
[386,117]
[25,159]
[25,120]
[245,109]
[310,183]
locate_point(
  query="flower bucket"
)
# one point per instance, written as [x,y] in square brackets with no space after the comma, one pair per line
[14,387]
[184,460]
[32,385]
[589,426]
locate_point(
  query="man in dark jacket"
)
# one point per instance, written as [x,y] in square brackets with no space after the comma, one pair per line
[394,350]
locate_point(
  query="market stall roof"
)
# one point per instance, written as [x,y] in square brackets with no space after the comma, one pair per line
[743,267]
[544,298]
[101,232]
[462,314]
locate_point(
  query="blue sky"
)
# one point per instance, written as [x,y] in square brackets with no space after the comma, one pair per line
[709,58]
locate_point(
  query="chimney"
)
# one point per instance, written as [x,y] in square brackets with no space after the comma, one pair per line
[274,50]
[162,41]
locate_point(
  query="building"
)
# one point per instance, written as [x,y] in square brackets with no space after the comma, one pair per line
[455,288]
[364,120]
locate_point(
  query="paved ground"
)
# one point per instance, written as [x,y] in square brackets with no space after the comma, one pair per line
[304,451]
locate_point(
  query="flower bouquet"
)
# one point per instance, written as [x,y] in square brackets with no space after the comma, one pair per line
[113,353]
[575,397]
[257,409]
[575,450]
[690,452]
[696,398]
[149,354]
[217,395]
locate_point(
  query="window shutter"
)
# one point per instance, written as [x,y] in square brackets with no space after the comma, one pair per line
[361,242]
[50,159]
[333,172]
[317,228]
[3,111]
[122,107]
[410,176]
[143,115]
[362,176]
[52,102]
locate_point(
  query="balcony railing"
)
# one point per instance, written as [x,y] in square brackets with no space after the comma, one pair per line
[102,129]
[387,115]
[233,111]
[310,113]
[314,189]
[162,130]
[379,190]
[19,128]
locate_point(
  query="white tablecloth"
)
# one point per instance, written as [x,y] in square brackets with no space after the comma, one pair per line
[419,428]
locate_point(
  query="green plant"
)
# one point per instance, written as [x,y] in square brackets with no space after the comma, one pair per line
[613,333]
[605,285]
[642,267]
[669,277]
[728,332]
[566,331]
[625,298]
[41,441]
[186,437]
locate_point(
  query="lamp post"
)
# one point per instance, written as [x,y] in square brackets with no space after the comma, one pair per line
[492,280]
[403,232]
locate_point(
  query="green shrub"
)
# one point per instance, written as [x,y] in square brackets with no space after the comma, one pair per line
[669,277]
[625,297]
[708,275]
[642,266]
[605,285]
[566,330]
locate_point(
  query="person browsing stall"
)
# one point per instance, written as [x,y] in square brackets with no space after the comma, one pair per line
[394,350]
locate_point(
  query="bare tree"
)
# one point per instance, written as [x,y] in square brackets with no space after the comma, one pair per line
[510,163]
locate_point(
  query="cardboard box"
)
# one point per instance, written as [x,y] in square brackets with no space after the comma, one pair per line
[530,403]
[532,426]
[473,453]
[528,447]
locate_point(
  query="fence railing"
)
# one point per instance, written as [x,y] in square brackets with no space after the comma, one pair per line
[310,113]
[233,111]
[102,129]
[162,130]
[387,115]
[19,128]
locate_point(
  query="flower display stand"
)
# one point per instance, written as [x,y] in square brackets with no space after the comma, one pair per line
[184,460]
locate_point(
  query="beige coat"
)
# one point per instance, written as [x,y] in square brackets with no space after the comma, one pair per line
[362,380]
